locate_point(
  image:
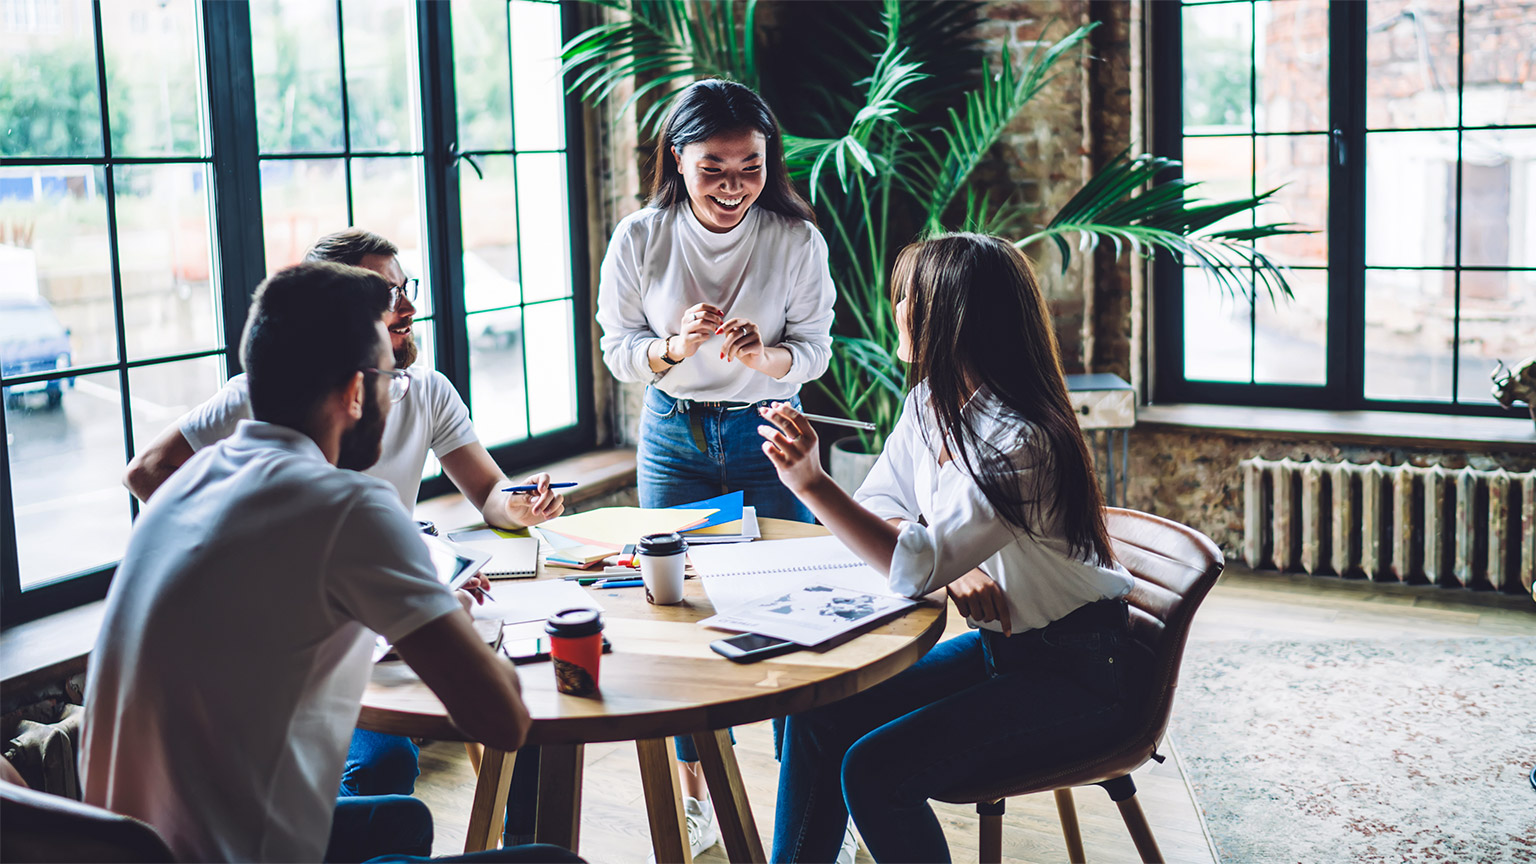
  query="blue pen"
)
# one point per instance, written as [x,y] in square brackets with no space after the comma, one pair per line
[533,488]
[619,583]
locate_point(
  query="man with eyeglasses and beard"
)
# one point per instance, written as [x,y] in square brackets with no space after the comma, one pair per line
[431,416]
[238,634]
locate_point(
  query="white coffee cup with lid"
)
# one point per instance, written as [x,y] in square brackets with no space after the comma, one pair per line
[662,557]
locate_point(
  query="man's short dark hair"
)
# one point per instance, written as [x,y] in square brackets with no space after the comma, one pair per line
[311,327]
[350,247]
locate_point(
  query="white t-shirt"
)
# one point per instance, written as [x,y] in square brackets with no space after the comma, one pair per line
[1041,578]
[430,416]
[769,269]
[225,684]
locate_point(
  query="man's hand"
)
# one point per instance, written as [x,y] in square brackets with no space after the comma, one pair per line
[979,599]
[792,448]
[542,505]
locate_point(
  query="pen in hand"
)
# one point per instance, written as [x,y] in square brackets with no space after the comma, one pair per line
[530,488]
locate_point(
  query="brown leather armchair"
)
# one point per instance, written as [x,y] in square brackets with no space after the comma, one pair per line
[1175,567]
[51,828]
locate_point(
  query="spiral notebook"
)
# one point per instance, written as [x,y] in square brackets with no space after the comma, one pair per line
[808,590]
[511,557]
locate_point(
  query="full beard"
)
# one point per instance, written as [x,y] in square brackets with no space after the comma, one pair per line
[360,445]
[405,355]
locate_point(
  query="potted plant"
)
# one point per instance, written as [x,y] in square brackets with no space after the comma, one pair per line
[896,141]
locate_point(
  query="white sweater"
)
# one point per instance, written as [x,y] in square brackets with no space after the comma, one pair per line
[770,269]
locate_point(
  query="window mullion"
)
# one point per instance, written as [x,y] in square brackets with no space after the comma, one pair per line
[240,262]
[1166,134]
[1346,205]
[444,259]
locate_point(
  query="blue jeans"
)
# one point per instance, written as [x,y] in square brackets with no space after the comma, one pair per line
[379,764]
[398,828]
[977,706]
[672,470]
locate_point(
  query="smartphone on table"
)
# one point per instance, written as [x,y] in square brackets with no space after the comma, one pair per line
[750,647]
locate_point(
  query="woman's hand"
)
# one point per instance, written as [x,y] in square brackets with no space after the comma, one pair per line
[742,342]
[700,323]
[540,505]
[792,447]
[979,599]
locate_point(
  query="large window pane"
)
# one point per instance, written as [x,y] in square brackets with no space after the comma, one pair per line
[490,238]
[49,102]
[163,392]
[1498,198]
[55,247]
[538,98]
[154,86]
[1410,194]
[1498,319]
[386,199]
[1218,332]
[496,383]
[1409,329]
[1411,58]
[301,200]
[1298,166]
[298,76]
[552,375]
[1291,57]
[1223,167]
[1497,76]
[66,470]
[1218,46]
[1290,336]
[169,302]
[482,87]
[383,93]
[543,212]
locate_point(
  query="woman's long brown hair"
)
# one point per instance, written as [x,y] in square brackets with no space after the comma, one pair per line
[977,317]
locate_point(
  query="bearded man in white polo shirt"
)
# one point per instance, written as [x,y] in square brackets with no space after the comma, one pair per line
[237,640]
[432,416]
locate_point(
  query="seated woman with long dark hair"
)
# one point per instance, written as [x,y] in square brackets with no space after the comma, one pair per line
[986,489]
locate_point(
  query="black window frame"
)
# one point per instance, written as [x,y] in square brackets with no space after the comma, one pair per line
[238,257]
[1343,389]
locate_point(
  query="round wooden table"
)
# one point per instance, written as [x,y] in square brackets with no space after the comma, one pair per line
[661,680]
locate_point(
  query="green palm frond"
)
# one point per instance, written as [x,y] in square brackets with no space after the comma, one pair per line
[942,171]
[982,217]
[667,43]
[1110,207]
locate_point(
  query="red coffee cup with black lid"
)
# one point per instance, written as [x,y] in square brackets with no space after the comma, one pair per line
[576,646]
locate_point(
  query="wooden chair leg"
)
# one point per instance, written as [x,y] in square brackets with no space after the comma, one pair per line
[476,753]
[1141,832]
[737,827]
[990,845]
[1067,811]
[663,801]
[489,809]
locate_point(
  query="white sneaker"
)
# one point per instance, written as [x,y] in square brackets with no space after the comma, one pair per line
[702,833]
[850,848]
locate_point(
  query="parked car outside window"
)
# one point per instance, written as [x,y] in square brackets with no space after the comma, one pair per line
[32,341]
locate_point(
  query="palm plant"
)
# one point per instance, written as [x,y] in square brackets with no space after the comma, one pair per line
[892,150]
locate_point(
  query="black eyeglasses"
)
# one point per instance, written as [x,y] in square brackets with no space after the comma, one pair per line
[404,291]
[399,381]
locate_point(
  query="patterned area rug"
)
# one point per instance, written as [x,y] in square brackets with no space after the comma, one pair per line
[1362,750]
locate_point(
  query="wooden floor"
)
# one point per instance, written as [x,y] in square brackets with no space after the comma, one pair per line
[1244,606]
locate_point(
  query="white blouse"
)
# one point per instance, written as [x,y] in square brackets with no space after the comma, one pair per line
[1041,578]
[769,269]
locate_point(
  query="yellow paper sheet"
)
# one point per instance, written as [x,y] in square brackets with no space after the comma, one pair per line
[726,528]
[616,526]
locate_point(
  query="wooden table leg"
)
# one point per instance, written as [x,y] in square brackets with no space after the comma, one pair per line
[663,801]
[476,752]
[489,809]
[737,828]
[559,814]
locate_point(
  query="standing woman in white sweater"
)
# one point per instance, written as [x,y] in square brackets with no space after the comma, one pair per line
[716,295]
